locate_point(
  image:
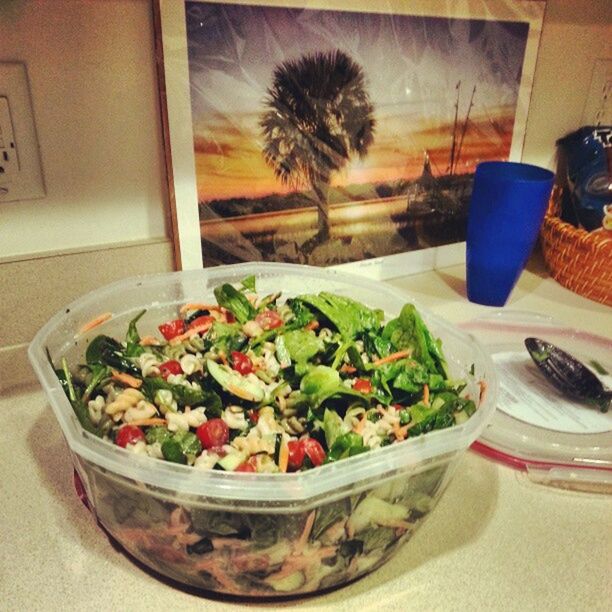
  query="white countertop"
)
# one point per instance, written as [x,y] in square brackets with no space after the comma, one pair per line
[495,541]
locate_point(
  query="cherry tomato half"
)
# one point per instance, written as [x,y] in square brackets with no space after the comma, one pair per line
[213,433]
[314,451]
[170,367]
[363,385]
[128,434]
[170,329]
[201,321]
[250,465]
[296,454]
[268,319]
[241,363]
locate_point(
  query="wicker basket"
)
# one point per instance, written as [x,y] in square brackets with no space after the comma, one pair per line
[577,259]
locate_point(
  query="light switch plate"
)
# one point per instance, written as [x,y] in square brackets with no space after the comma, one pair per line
[21,175]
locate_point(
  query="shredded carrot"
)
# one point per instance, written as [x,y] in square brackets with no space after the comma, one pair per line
[483,390]
[95,322]
[426,394]
[127,379]
[358,429]
[148,422]
[392,357]
[400,432]
[149,341]
[198,329]
[283,456]
[349,369]
[198,306]
[303,539]
[314,324]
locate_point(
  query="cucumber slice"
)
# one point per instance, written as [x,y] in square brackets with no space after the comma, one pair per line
[235,383]
[287,584]
[230,462]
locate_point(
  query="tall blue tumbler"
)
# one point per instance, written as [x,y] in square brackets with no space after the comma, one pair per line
[506,211]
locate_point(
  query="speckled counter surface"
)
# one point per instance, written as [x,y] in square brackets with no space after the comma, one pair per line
[496,540]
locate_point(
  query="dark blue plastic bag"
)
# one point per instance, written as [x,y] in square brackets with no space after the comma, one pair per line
[588,154]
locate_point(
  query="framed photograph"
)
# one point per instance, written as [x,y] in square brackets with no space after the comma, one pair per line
[337,132]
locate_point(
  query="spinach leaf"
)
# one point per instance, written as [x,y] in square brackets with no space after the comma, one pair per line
[227,337]
[408,331]
[348,316]
[235,301]
[346,445]
[333,426]
[320,381]
[302,344]
[78,405]
[329,514]
[181,447]
[184,396]
[105,350]
[249,283]
[132,338]
[301,313]
[377,537]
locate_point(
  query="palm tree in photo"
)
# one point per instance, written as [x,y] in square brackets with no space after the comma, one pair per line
[317,116]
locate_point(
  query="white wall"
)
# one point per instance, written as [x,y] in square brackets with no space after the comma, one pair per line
[575,34]
[94,92]
[92,75]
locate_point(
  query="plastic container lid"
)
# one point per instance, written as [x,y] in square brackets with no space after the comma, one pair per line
[555,440]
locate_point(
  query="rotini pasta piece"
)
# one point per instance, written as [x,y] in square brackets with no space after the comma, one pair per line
[127,398]
[293,426]
[234,418]
[148,364]
[95,408]
[191,363]
[177,421]
[142,410]
[195,416]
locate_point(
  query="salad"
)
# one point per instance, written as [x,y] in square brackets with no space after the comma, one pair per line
[259,384]
[262,554]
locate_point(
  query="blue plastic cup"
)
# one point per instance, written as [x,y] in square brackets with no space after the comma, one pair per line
[506,211]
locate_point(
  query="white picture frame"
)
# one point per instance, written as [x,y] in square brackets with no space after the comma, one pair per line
[179,134]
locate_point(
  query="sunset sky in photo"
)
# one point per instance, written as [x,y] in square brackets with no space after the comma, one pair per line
[412,66]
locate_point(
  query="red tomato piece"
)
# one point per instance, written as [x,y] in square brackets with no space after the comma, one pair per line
[241,363]
[170,367]
[171,329]
[268,319]
[253,415]
[250,465]
[296,454]
[203,320]
[363,385]
[314,451]
[128,434]
[229,317]
[213,433]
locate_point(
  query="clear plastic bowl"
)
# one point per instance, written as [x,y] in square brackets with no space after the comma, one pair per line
[258,534]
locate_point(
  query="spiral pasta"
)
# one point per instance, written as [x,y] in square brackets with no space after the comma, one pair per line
[128,398]
[148,364]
